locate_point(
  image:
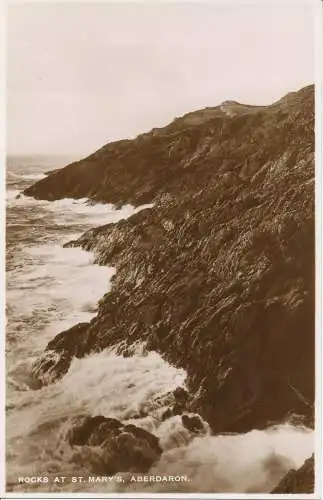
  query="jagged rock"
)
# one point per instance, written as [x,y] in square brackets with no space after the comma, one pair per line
[58,355]
[180,398]
[193,423]
[94,430]
[298,481]
[181,395]
[221,280]
[167,414]
[125,447]
[49,367]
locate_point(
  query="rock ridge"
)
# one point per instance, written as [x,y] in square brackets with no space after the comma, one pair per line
[219,275]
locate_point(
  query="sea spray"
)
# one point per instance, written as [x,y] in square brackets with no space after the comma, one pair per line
[49,289]
[243,463]
[125,388]
[102,383]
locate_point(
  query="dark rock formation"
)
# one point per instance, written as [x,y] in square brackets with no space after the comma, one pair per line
[193,423]
[125,447]
[219,275]
[178,403]
[178,158]
[298,481]
[58,355]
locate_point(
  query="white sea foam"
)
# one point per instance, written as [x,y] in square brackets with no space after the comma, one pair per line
[33,177]
[84,211]
[68,211]
[63,280]
[120,387]
[52,288]
[61,284]
[102,383]
[243,463]
[11,194]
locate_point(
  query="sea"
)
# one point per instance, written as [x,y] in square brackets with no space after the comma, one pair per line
[49,289]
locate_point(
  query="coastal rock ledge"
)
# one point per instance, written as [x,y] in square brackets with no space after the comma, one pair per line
[218,277]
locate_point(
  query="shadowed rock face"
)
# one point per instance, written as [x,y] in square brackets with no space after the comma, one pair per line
[123,447]
[56,360]
[298,481]
[219,276]
[181,157]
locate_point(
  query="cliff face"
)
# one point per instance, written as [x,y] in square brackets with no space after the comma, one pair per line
[187,154]
[219,276]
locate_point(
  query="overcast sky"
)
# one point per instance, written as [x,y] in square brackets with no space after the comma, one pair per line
[82,74]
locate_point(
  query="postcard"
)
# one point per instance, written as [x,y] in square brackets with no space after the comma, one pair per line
[162,249]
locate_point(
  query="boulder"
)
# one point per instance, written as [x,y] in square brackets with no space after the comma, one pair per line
[125,447]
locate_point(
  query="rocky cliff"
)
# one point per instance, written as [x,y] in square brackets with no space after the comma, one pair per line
[219,275]
[185,155]
[298,481]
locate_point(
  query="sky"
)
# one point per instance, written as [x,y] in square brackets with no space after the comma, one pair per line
[80,75]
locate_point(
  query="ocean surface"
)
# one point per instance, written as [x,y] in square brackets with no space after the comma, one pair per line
[48,289]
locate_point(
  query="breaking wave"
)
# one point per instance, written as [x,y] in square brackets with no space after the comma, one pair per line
[51,288]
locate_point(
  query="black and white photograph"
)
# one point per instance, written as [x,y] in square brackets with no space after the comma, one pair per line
[161,249]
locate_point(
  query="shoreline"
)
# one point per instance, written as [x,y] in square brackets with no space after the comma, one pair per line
[218,276]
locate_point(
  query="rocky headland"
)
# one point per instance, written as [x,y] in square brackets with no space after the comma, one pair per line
[219,276]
